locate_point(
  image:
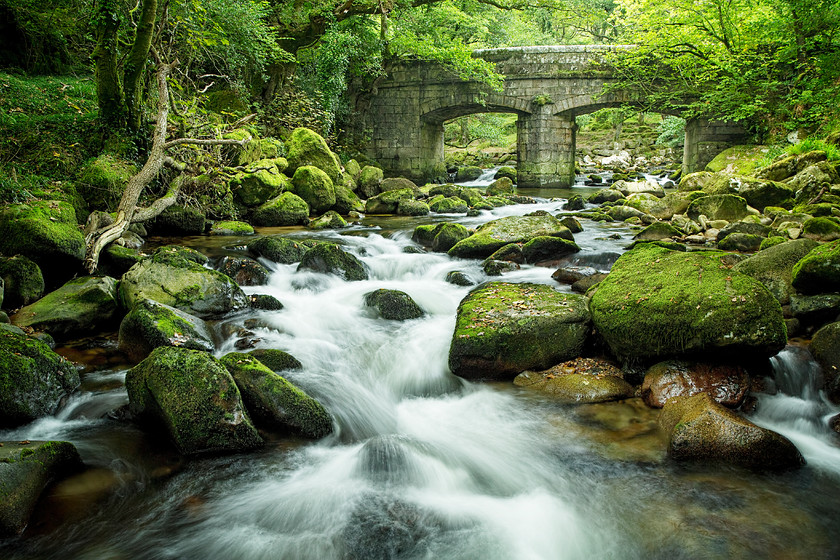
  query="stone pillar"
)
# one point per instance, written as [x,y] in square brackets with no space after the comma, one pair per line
[545,149]
[706,139]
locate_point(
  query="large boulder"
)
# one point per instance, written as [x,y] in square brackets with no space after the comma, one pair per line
[279,249]
[662,208]
[45,231]
[819,270]
[261,181]
[34,380]
[773,266]
[315,188]
[502,329]
[821,229]
[502,185]
[369,181]
[173,276]
[699,429]
[82,306]
[329,258]
[725,383]
[393,304]
[150,325]
[23,281]
[273,401]
[545,248]
[26,469]
[387,202]
[448,205]
[102,180]
[727,207]
[194,398]
[307,148]
[495,234]
[346,201]
[825,346]
[447,235]
[760,194]
[288,209]
[244,271]
[179,220]
[661,303]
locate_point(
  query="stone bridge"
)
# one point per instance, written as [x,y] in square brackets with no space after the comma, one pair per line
[547,87]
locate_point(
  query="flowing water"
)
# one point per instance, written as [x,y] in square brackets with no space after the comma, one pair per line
[421,464]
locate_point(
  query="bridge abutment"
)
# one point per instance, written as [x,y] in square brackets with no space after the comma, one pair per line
[705,139]
[545,149]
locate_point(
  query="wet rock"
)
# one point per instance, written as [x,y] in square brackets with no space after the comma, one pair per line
[276,360]
[512,252]
[194,399]
[468,173]
[174,277]
[458,278]
[659,230]
[815,309]
[743,242]
[116,260]
[571,274]
[605,195]
[583,380]
[393,304]
[80,307]
[572,223]
[503,329]
[773,266]
[700,429]
[264,302]
[34,380]
[244,271]
[22,280]
[726,384]
[329,258]
[819,270]
[621,213]
[825,346]
[230,227]
[447,235]
[661,303]
[545,248]
[384,527]
[575,202]
[387,202]
[492,267]
[275,402]
[495,234]
[288,209]
[278,249]
[727,207]
[329,220]
[26,469]
[150,325]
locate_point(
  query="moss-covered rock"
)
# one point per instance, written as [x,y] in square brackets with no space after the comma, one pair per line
[546,248]
[582,380]
[346,201]
[276,360]
[306,148]
[369,181]
[397,183]
[760,194]
[258,184]
[743,242]
[102,180]
[275,402]
[264,302]
[329,258]
[657,231]
[502,329]
[393,304]
[315,187]
[825,347]
[821,229]
[506,171]
[33,379]
[604,195]
[408,207]
[116,260]
[447,235]
[82,306]
[662,208]
[771,241]
[468,173]
[700,429]
[502,185]
[773,266]
[661,303]
[458,278]
[727,207]
[231,227]
[179,220]
[387,202]
[194,398]
[279,249]
[819,270]
[171,276]
[353,169]
[495,234]
[725,383]
[329,220]
[244,271]
[789,166]
[740,160]
[448,205]
[26,469]
[493,267]
[47,232]
[288,209]
[150,325]
[696,181]
[23,282]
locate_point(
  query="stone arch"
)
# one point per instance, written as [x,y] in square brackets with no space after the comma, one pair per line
[441,110]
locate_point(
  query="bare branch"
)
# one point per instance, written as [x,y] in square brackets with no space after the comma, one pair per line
[205,142]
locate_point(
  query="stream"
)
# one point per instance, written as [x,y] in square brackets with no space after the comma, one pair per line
[423,464]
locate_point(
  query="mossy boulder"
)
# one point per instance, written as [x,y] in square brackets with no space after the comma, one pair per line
[546,248]
[699,429]
[447,235]
[727,207]
[393,304]
[740,160]
[273,401]
[231,227]
[34,380]
[116,260]
[819,270]
[387,202]
[26,470]
[448,205]
[468,173]
[315,187]
[276,360]
[346,201]
[727,384]
[742,242]
[773,266]
[760,194]
[329,258]
[353,169]
[47,232]
[82,306]
[425,234]
[102,180]
[306,148]
[329,220]
[657,231]
[369,181]
[279,249]
[506,171]
[791,165]
[396,183]
[179,220]
[495,234]
[150,325]
[458,278]
[408,207]
[821,229]
[662,208]
[288,209]
[604,195]
[193,397]
[244,271]
[174,277]
[696,181]
[656,302]
[825,347]
[23,282]
[502,329]
[502,185]
[258,184]
[472,196]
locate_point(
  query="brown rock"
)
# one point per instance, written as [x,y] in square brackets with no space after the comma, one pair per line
[582,380]
[726,384]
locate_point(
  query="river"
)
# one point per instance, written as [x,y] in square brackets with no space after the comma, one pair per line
[423,464]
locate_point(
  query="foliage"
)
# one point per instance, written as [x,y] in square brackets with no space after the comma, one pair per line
[497,129]
[810,144]
[671,132]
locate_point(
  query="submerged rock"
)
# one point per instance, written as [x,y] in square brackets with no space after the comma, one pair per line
[329,258]
[194,398]
[726,384]
[700,429]
[503,329]
[244,271]
[393,304]
[583,380]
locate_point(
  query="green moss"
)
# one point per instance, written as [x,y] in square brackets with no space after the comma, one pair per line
[388,202]
[150,325]
[771,241]
[102,180]
[346,200]
[229,227]
[22,280]
[288,209]
[448,205]
[257,187]
[278,249]
[741,160]
[330,220]
[514,229]
[276,360]
[393,304]
[823,229]
[819,270]
[329,258]
[46,231]
[446,235]
[315,187]
[718,207]
[306,148]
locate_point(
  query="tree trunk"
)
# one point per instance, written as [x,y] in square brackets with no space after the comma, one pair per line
[109,90]
[136,62]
